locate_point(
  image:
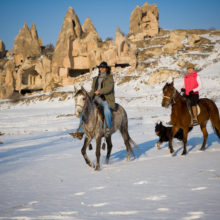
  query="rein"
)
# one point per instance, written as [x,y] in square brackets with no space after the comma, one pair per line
[84,107]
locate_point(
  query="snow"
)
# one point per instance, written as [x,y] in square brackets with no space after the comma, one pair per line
[44,176]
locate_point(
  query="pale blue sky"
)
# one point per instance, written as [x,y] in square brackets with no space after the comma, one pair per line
[106,15]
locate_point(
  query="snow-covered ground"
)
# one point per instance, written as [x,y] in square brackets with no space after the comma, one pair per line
[44,176]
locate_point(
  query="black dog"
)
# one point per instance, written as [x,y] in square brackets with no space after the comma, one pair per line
[164,133]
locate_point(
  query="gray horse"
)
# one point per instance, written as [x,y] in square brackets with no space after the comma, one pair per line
[93,124]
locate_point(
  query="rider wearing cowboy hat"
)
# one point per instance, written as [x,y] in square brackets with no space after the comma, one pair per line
[102,92]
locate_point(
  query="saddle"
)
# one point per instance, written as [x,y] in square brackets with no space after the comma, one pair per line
[100,110]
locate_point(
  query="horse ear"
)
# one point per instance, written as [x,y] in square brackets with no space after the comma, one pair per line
[172,83]
[74,89]
[82,88]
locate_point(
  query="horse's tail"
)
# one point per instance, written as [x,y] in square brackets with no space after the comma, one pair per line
[216,131]
[214,116]
[132,142]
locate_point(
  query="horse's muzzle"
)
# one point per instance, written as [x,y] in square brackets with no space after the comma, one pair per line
[165,104]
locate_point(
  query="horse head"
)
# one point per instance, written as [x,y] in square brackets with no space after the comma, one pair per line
[169,93]
[81,101]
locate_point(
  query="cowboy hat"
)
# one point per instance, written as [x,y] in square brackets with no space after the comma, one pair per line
[103,65]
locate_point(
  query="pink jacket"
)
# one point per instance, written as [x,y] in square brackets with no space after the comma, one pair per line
[192,82]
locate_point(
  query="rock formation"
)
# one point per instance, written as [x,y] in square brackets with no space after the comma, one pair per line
[175,42]
[25,70]
[2,49]
[144,22]
[80,49]
[193,38]
[26,44]
[34,34]
[126,52]
[89,28]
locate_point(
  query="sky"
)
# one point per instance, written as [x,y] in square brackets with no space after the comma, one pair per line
[48,16]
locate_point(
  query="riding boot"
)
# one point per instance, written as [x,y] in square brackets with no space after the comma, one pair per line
[195,120]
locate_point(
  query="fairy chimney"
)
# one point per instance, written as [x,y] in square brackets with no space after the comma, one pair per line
[2,49]
[88,27]
[144,21]
[71,29]
[26,45]
[34,34]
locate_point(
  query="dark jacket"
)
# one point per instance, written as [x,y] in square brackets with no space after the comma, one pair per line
[107,89]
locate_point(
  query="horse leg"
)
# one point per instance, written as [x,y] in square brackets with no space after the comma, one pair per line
[83,151]
[171,145]
[98,153]
[173,132]
[109,148]
[205,135]
[185,135]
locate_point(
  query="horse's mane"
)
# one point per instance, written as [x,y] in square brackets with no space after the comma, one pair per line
[79,92]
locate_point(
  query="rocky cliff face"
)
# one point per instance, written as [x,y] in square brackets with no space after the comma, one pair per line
[144,22]
[24,70]
[79,49]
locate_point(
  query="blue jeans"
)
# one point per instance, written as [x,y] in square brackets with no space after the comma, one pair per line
[107,113]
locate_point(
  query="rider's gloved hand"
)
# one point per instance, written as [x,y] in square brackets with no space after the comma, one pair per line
[191,92]
[183,91]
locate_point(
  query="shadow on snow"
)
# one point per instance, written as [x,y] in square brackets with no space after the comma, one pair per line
[143,148]
[140,150]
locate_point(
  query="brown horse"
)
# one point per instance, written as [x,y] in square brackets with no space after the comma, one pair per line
[181,118]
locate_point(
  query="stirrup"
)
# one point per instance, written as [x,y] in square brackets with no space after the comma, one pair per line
[195,122]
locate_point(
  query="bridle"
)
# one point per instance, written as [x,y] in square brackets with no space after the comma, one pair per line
[166,97]
[83,107]
[172,99]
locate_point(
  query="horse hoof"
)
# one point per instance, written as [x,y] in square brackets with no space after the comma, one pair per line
[183,154]
[202,149]
[92,165]
[97,168]
[173,153]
